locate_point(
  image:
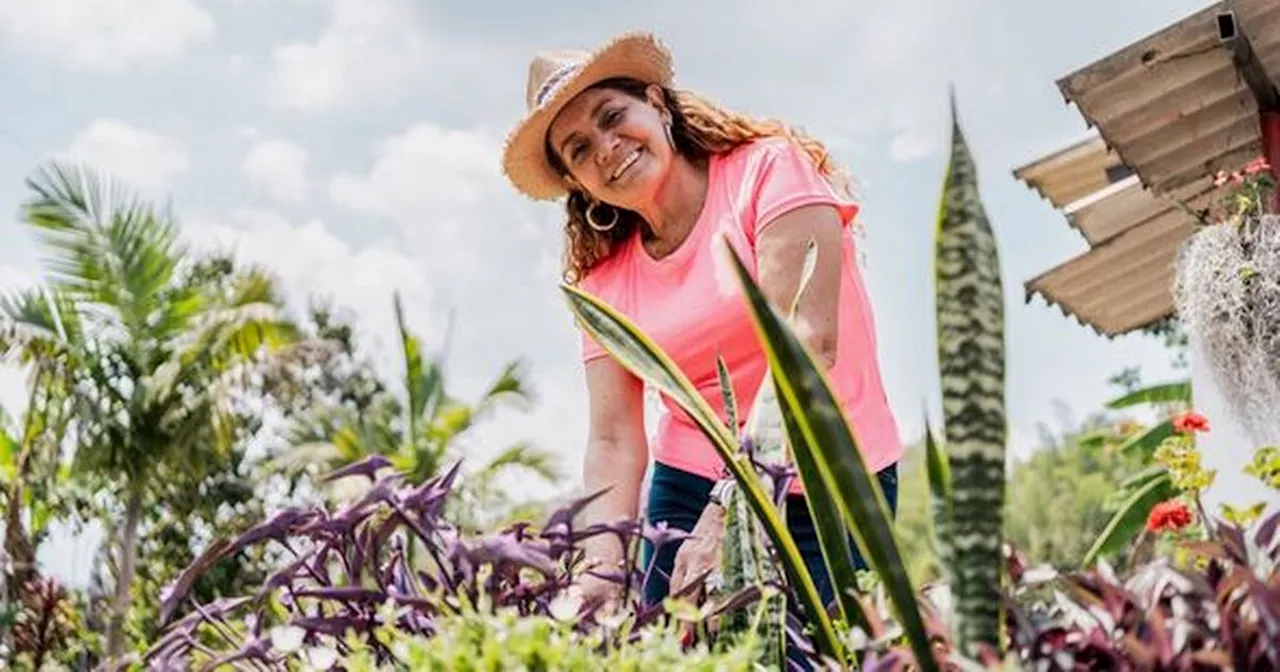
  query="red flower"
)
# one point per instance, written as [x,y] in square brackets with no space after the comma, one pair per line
[1189,422]
[1168,515]
[1258,165]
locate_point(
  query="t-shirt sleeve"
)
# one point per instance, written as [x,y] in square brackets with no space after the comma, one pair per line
[590,349]
[783,179]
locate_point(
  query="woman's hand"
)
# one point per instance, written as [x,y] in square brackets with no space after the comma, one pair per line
[700,553]
[594,589]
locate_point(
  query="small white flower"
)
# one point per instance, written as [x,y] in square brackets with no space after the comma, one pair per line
[856,639]
[287,638]
[565,606]
[322,657]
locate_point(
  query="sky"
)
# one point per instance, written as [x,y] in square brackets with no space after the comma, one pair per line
[352,146]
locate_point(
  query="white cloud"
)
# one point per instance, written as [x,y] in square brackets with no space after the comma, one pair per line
[443,188]
[144,159]
[311,262]
[493,259]
[108,36]
[370,51]
[277,168]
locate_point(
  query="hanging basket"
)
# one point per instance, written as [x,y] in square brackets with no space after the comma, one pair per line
[1227,294]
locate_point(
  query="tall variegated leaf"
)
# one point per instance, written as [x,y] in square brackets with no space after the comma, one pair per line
[939,473]
[1163,393]
[640,355]
[745,562]
[1156,487]
[970,314]
[824,446]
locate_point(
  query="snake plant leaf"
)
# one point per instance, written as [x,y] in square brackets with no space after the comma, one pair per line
[970,320]
[620,337]
[1128,521]
[833,537]
[939,473]
[825,441]
[744,559]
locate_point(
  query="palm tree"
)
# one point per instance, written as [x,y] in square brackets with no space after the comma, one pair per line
[420,432]
[150,352]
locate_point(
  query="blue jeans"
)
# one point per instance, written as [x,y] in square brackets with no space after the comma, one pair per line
[678,498]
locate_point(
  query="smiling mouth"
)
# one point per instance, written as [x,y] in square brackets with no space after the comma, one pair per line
[625,165]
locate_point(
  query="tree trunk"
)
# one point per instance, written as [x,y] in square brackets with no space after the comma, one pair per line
[124,579]
[17,543]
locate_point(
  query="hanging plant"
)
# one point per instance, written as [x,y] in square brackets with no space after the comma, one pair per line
[1227,293]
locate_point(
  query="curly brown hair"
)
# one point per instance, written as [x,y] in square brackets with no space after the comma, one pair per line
[700,128]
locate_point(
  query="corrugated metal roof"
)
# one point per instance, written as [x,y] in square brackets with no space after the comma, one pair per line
[1071,173]
[1174,108]
[1123,282]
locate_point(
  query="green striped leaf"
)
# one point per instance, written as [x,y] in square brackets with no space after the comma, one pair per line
[829,460]
[970,314]
[1128,521]
[939,473]
[640,355]
[1156,394]
[833,537]
[726,393]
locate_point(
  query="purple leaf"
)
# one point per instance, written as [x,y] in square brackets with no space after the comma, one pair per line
[503,550]
[366,467]
[282,577]
[258,649]
[1266,603]
[560,522]
[1267,530]
[1233,541]
[662,534]
[334,626]
[890,661]
[344,594]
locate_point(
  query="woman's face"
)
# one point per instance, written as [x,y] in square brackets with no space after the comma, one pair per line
[614,145]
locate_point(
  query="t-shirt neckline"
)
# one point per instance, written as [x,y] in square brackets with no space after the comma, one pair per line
[684,248]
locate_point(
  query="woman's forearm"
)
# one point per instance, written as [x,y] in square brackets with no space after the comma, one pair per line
[618,466]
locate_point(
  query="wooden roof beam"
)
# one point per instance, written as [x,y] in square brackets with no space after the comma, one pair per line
[1247,63]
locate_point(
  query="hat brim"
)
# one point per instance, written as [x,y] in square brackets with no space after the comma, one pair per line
[638,55]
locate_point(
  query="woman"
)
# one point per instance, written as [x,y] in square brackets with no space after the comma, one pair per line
[654,178]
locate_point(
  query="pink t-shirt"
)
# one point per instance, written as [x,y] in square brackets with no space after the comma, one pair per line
[690,304]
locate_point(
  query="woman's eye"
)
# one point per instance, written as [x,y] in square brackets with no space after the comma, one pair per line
[612,116]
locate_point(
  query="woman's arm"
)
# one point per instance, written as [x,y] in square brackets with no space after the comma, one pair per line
[780,252]
[616,453]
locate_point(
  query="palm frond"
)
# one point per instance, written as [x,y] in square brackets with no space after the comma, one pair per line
[412,364]
[29,326]
[105,245]
[522,455]
[511,387]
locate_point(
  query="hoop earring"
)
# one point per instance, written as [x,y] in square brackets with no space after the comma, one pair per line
[670,138]
[591,218]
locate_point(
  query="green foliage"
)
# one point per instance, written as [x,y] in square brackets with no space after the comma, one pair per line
[480,642]
[419,430]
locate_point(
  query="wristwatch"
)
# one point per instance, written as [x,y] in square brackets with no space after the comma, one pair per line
[721,490]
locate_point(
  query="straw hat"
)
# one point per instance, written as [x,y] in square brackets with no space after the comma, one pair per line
[555,77]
